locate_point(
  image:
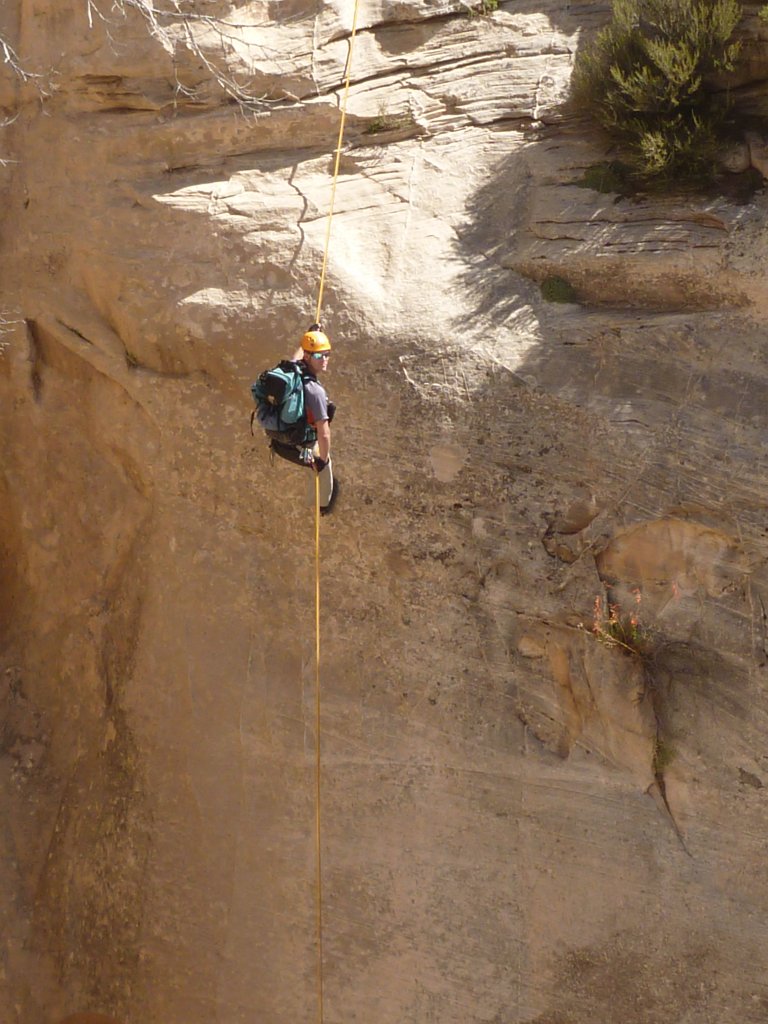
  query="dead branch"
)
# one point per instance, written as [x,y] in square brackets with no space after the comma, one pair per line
[177,24]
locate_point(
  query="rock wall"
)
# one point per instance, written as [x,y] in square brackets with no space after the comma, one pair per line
[524,820]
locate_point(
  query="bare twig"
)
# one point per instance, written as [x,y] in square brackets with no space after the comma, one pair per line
[6,326]
[11,58]
[178,24]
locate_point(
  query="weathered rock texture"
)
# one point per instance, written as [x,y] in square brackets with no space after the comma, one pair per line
[523,822]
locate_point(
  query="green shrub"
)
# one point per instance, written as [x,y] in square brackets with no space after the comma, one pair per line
[607,177]
[387,123]
[663,756]
[644,80]
[482,7]
[557,289]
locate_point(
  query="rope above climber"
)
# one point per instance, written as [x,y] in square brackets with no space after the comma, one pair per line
[293,408]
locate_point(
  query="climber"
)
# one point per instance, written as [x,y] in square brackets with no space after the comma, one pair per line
[312,357]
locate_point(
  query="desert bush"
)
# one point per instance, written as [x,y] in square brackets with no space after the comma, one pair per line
[557,289]
[645,81]
[482,7]
[613,176]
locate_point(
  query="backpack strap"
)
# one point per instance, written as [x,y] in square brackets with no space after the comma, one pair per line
[294,364]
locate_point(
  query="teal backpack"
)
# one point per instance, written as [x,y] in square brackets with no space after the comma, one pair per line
[279,398]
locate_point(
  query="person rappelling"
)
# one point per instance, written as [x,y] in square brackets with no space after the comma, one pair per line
[293,408]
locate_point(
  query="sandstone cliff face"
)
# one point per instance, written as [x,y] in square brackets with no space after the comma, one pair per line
[521,823]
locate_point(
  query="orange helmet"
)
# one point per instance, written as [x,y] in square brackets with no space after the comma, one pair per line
[315,341]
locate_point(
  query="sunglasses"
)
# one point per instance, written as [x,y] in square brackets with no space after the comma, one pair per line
[321,355]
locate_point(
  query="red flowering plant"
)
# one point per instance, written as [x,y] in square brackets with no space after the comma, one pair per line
[616,628]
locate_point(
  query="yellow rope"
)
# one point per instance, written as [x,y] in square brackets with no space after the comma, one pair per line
[318,761]
[347,73]
[318,844]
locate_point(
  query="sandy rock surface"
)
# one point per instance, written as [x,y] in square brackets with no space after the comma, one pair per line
[524,821]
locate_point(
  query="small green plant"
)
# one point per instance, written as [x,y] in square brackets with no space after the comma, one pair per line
[613,177]
[557,289]
[615,628]
[483,8]
[387,123]
[663,756]
[645,81]
[763,13]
